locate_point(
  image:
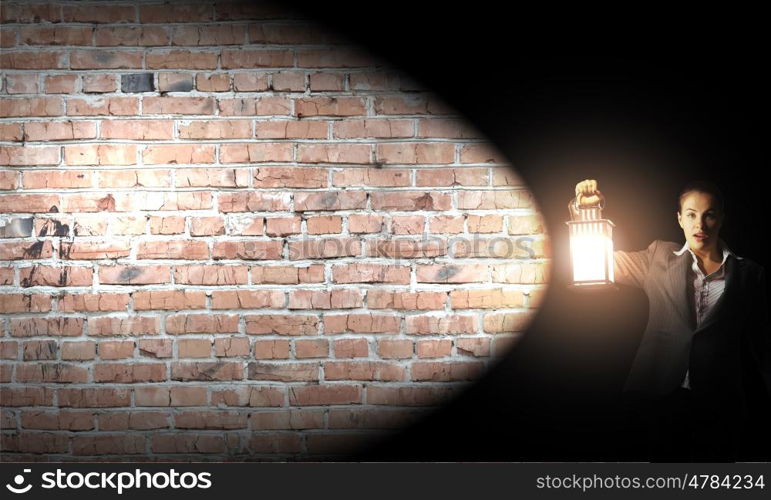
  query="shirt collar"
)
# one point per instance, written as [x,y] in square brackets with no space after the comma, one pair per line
[726,251]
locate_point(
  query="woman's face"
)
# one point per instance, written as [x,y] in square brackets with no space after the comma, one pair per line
[700,219]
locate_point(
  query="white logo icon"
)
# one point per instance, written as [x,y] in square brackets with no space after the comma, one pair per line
[19,480]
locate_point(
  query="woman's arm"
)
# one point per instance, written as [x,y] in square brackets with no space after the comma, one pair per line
[630,268]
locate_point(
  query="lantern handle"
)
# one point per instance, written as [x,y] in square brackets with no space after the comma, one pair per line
[575,204]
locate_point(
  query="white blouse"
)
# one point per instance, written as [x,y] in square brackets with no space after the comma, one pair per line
[705,290]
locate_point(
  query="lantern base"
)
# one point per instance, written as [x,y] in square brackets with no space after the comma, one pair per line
[593,287]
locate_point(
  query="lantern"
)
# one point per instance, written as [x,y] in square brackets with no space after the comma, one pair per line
[591,247]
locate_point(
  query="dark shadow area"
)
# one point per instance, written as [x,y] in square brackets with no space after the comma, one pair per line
[641,102]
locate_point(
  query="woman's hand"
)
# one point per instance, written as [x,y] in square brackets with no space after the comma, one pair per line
[587,194]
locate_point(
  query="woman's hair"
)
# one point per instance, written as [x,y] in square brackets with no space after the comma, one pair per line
[707,187]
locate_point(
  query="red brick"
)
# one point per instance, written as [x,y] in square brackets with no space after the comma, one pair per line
[433,348]
[137,129]
[251,106]
[286,419]
[208,34]
[171,13]
[377,128]
[131,325]
[324,248]
[32,106]
[169,300]
[325,224]
[29,155]
[21,83]
[330,106]
[9,349]
[39,350]
[194,348]
[282,226]
[169,154]
[11,131]
[365,223]
[308,177]
[231,346]
[256,153]
[247,250]
[339,57]
[410,200]
[105,59]
[451,177]
[376,177]
[363,370]
[27,396]
[281,324]
[216,129]
[285,372]
[129,373]
[48,179]
[203,370]
[249,396]
[331,200]
[59,35]
[18,250]
[265,58]
[481,153]
[30,203]
[187,443]
[58,373]
[351,348]
[418,104]
[361,323]
[247,299]
[181,59]
[291,129]
[55,276]
[288,81]
[108,445]
[250,82]
[41,60]
[311,348]
[325,395]
[212,177]
[176,249]
[155,348]
[167,225]
[446,129]
[371,273]
[131,36]
[477,347]
[95,250]
[31,13]
[110,106]
[395,348]
[9,180]
[507,322]
[67,420]
[325,299]
[486,299]
[381,299]
[451,273]
[212,419]
[253,202]
[440,371]
[210,275]
[177,324]
[134,178]
[134,275]
[89,14]
[319,82]
[271,349]
[213,82]
[78,351]
[288,274]
[59,131]
[407,249]
[100,83]
[178,105]
[101,154]
[440,325]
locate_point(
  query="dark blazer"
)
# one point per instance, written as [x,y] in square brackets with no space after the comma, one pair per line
[728,357]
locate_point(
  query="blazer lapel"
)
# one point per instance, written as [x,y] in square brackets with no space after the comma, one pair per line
[677,273]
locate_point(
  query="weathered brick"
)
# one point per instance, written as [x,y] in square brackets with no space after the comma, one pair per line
[281,324]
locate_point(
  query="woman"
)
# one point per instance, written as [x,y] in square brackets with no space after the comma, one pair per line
[701,378]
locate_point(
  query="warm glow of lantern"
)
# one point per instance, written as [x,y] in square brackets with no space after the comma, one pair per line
[591,248]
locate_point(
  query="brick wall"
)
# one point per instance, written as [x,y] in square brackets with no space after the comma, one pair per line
[227,233]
